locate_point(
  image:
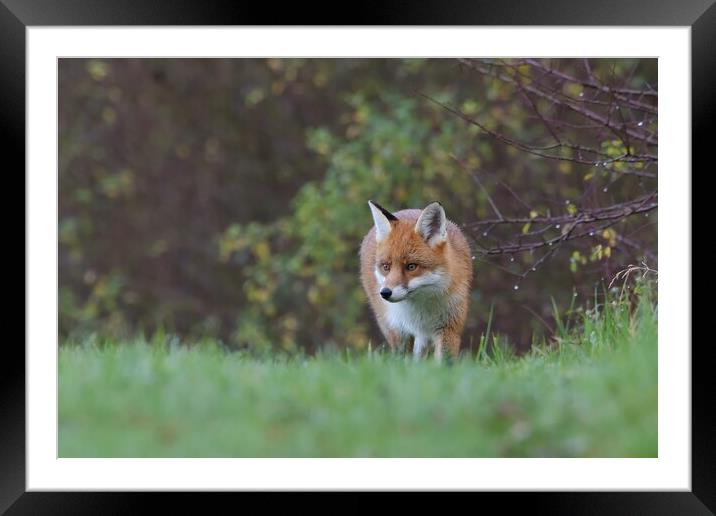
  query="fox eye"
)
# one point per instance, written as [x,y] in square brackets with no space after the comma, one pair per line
[411,266]
[386,267]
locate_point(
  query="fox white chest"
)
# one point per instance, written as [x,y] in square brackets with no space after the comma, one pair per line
[419,317]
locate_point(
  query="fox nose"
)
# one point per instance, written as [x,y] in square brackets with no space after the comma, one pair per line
[385,293]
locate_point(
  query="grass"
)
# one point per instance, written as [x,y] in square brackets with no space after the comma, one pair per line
[592,395]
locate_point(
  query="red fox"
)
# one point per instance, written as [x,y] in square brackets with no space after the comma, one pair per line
[416,268]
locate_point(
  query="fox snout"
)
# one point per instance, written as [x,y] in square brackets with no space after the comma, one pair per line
[395,294]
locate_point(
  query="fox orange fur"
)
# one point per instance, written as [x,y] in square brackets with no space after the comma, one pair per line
[416,269]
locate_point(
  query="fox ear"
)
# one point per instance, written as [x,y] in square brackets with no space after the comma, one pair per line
[432,224]
[382,219]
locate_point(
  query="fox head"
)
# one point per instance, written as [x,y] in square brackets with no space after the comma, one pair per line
[410,256]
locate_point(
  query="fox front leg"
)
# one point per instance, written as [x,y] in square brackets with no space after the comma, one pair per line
[438,345]
[421,342]
[450,341]
[397,341]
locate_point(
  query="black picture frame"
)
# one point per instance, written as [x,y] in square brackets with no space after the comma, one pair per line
[700,15]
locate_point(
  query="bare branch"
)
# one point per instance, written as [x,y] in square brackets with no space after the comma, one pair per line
[642,204]
[539,151]
[620,93]
[605,117]
[565,101]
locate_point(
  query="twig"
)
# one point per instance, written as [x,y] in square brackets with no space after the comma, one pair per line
[624,274]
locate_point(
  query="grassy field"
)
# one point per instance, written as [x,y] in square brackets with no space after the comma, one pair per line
[593,395]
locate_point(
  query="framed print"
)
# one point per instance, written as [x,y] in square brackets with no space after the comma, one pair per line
[408,251]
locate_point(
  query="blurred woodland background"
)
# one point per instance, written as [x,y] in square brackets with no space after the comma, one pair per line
[227,198]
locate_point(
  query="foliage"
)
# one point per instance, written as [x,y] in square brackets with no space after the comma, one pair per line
[228,198]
